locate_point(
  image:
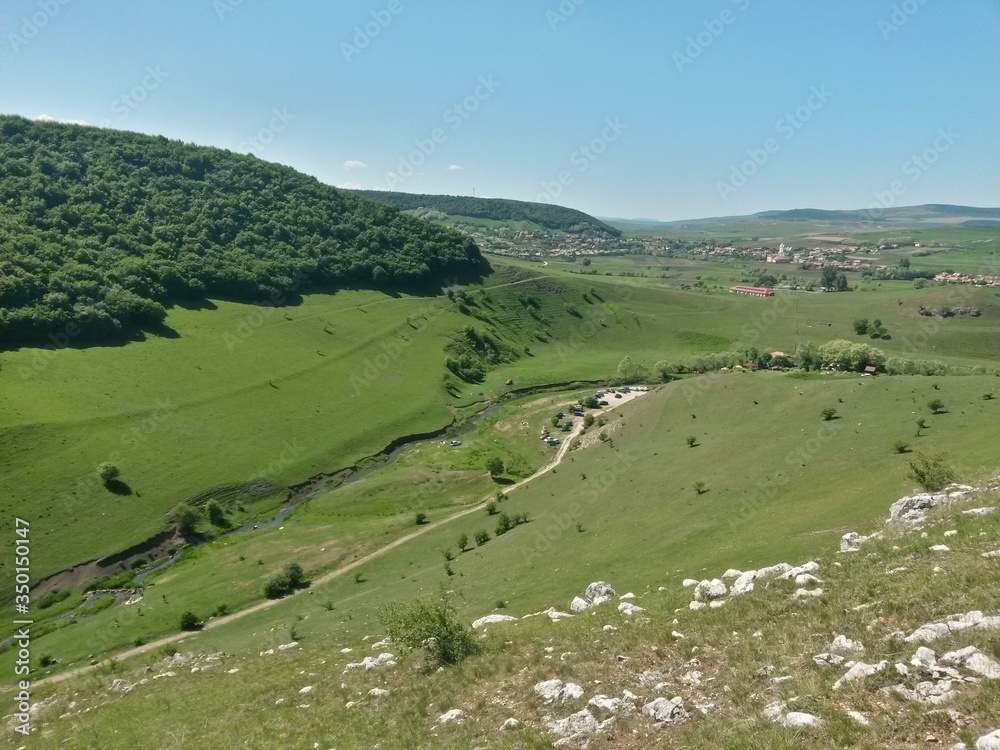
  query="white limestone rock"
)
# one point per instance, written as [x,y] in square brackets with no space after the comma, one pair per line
[974,660]
[974,620]
[580,724]
[663,710]
[455,714]
[600,588]
[491,619]
[859,671]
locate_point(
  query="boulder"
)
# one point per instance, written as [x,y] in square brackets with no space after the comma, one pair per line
[696,605]
[454,714]
[608,706]
[600,588]
[578,604]
[828,660]
[491,619]
[843,645]
[580,724]
[924,658]
[974,660]
[939,548]
[627,608]
[511,723]
[978,511]
[731,573]
[914,508]
[989,741]
[663,710]
[743,583]
[795,719]
[548,689]
[806,593]
[378,693]
[859,717]
[858,671]
[774,570]
[810,567]
[974,620]
[714,589]
[688,582]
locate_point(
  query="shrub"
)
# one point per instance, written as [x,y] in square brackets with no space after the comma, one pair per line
[448,555]
[588,420]
[421,519]
[222,610]
[215,513]
[930,472]
[491,508]
[699,487]
[46,660]
[108,471]
[463,542]
[53,597]
[901,446]
[988,396]
[190,621]
[692,441]
[504,524]
[828,413]
[184,518]
[284,583]
[448,570]
[481,537]
[936,405]
[433,625]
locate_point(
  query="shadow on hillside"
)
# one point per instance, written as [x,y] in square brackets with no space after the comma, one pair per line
[118,487]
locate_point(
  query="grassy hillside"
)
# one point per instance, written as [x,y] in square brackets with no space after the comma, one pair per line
[102,228]
[644,528]
[247,391]
[778,481]
[558,218]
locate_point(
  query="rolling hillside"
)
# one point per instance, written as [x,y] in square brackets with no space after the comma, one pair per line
[101,229]
[454,207]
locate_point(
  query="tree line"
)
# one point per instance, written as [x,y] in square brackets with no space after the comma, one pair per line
[102,229]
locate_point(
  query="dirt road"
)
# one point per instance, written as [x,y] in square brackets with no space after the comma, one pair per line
[329,576]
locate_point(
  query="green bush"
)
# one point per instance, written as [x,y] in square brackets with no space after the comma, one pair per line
[108,471]
[190,621]
[930,472]
[284,583]
[433,625]
[421,519]
[53,597]
[481,537]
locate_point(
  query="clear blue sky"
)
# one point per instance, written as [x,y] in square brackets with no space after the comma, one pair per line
[694,91]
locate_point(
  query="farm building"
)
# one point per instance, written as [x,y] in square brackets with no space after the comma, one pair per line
[755,291]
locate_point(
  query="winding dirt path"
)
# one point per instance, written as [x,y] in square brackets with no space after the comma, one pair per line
[348,567]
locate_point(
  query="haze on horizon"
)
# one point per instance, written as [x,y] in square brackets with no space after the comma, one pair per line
[728,108]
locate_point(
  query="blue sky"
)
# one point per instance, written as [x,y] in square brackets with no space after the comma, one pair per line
[633,108]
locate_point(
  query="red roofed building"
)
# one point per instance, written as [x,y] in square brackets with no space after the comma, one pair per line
[755,291]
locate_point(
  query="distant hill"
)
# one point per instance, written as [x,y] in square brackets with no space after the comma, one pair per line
[558,218]
[931,213]
[101,228]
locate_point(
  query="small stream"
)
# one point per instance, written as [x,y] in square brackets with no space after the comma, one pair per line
[321,484]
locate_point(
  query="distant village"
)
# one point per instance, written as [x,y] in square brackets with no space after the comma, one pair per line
[541,245]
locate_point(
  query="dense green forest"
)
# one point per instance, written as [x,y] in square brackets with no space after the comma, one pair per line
[99,229]
[558,218]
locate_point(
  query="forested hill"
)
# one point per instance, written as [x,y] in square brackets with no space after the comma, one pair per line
[100,229]
[558,218]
